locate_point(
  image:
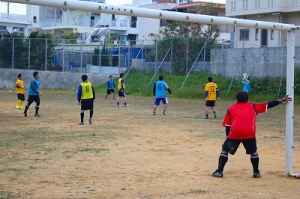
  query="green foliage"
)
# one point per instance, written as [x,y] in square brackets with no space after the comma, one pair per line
[104,56]
[262,89]
[9,44]
[40,43]
[70,38]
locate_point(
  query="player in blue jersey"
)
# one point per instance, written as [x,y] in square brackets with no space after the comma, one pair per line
[110,87]
[34,94]
[159,93]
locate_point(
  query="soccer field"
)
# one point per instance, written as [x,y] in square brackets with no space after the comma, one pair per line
[129,153]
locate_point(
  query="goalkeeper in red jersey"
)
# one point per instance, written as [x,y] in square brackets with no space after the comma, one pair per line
[240,124]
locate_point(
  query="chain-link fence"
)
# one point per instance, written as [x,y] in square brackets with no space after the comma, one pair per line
[178,56]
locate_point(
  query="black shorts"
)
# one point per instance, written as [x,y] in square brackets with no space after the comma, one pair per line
[34,98]
[110,90]
[87,104]
[230,145]
[121,92]
[21,97]
[210,103]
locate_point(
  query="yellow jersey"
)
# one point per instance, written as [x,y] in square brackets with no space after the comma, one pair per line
[121,83]
[19,86]
[211,89]
[87,90]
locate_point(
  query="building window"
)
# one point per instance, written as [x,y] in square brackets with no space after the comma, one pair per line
[257,4]
[113,17]
[2,30]
[233,6]
[133,22]
[256,34]
[272,35]
[18,30]
[245,4]
[34,19]
[244,34]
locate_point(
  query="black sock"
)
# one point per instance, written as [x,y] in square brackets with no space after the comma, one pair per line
[222,161]
[91,114]
[254,161]
[26,109]
[37,110]
[81,116]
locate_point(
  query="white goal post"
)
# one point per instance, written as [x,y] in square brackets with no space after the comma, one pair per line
[206,19]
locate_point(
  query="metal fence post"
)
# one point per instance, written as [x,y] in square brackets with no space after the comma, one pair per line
[187,56]
[204,55]
[46,46]
[222,58]
[80,56]
[13,53]
[171,55]
[29,40]
[156,49]
[63,56]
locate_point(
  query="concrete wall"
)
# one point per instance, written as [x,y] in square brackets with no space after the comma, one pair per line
[48,79]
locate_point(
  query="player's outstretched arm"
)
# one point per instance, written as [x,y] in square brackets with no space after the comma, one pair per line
[287,98]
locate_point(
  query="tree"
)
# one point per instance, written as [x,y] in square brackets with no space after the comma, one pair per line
[187,39]
[41,44]
[12,51]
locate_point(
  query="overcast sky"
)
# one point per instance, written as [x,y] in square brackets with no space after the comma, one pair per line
[15,8]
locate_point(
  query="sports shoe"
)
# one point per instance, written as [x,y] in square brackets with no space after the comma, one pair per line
[81,123]
[17,107]
[90,120]
[215,115]
[126,105]
[256,174]
[25,114]
[205,117]
[218,174]
[20,107]
[164,112]
[37,115]
[154,113]
[117,105]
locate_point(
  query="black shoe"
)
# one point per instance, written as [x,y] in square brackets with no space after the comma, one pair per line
[154,113]
[218,174]
[256,174]
[37,115]
[164,112]
[25,114]
[215,115]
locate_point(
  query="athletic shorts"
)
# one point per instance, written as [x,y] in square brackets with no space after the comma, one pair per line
[34,98]
[163,99]
[110,90]
[21,97]
[210,103]
[87,104]
[230,145]
[121,92]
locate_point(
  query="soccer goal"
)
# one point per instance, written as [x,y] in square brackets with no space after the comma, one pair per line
[289,29]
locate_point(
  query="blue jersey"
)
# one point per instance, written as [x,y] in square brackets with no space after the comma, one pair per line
[160,89]
[111,84]
[34,87]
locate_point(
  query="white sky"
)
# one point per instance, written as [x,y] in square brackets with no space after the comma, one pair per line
[15,8]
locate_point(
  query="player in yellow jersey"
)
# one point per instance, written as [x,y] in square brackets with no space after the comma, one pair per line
[211,94]
[86,97]
[20,92]
[121,90]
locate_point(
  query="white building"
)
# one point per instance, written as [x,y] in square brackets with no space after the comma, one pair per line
[281,11]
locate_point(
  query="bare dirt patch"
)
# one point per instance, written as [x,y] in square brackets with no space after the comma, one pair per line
[128,153]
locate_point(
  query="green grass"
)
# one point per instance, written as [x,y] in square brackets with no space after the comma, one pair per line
[262,89]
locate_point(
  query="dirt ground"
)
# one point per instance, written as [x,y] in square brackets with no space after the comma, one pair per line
[129,153]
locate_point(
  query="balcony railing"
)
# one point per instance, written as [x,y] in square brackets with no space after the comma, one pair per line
[123,24]
[12,17]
